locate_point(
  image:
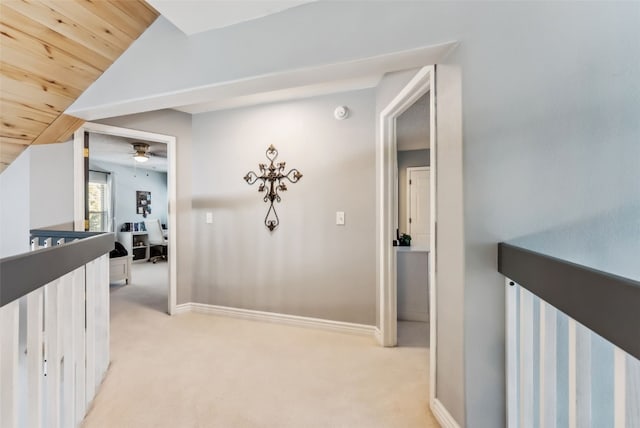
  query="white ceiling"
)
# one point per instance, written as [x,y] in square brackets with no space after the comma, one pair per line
[195,16]
[118,150]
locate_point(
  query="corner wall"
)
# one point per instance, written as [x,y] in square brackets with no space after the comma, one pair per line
[308,266]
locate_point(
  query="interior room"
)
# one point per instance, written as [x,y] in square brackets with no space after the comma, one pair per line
[413,219]
[294,140]
[127,190]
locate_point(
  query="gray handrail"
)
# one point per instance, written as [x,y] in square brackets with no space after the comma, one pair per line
[605,303]
[23,273]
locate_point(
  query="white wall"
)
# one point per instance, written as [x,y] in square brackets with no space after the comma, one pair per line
[36,191]
[14,206]
[176,124]
[308,266]
[126,182]
[51,190]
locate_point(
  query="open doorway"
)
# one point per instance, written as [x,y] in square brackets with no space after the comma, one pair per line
[133,199]
[413,220]
[446,272]
[422,85]
[127,195]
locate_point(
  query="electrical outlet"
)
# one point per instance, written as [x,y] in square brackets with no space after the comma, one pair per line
[340,218]
[209,218]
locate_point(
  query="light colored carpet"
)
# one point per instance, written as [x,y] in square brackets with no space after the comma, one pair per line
[196,370]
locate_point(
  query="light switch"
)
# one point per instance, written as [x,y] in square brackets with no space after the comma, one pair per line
[209,218]
[340,218]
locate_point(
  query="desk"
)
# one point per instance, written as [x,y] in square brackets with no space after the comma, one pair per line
[136,244]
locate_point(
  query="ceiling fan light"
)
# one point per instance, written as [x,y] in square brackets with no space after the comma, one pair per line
[140,157]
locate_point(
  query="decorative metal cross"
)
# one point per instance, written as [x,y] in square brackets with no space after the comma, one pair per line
[272,176]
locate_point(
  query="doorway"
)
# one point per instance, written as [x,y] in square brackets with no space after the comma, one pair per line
[389,211]
[447,272]
[131,221]
[412,265]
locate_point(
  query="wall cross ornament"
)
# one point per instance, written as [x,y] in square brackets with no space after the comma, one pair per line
[272,182]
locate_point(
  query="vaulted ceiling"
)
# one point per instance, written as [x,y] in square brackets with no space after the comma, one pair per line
[50,52]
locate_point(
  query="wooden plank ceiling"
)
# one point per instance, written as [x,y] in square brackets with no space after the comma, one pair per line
[50,52]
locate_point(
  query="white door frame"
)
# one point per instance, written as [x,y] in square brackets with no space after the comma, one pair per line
[78,211]
[387,203]
[408,192]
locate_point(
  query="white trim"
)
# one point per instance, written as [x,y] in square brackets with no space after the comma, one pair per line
[378,335]
[433,312]
[442,415]
[172,198]
[387,201]
[78,180]
[272,317]
[182,308]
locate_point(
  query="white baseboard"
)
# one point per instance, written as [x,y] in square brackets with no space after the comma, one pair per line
[182,309]
[442,414]
[378,335]
[248,314]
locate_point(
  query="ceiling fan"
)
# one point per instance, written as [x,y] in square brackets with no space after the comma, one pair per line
[142,153]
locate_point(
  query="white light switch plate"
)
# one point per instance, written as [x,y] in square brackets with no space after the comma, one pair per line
[209,218]
[340,218]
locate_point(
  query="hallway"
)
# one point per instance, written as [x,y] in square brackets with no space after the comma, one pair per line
[195,370]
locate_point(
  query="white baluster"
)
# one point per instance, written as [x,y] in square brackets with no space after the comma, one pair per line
[526,359]
[548,365]
[512,352]
[91,283]
[68,345]
[35,357]
[9,330]
[78,310]
[53,297]
[632,391]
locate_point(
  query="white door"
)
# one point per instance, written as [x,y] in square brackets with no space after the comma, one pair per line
[419,210]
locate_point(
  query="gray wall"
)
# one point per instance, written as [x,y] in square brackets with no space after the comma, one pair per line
[170,122]
[550,107]
[407,159]
[126,181]
[308,266]
[412,126]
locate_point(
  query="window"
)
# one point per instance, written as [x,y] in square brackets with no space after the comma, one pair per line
[99,202]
